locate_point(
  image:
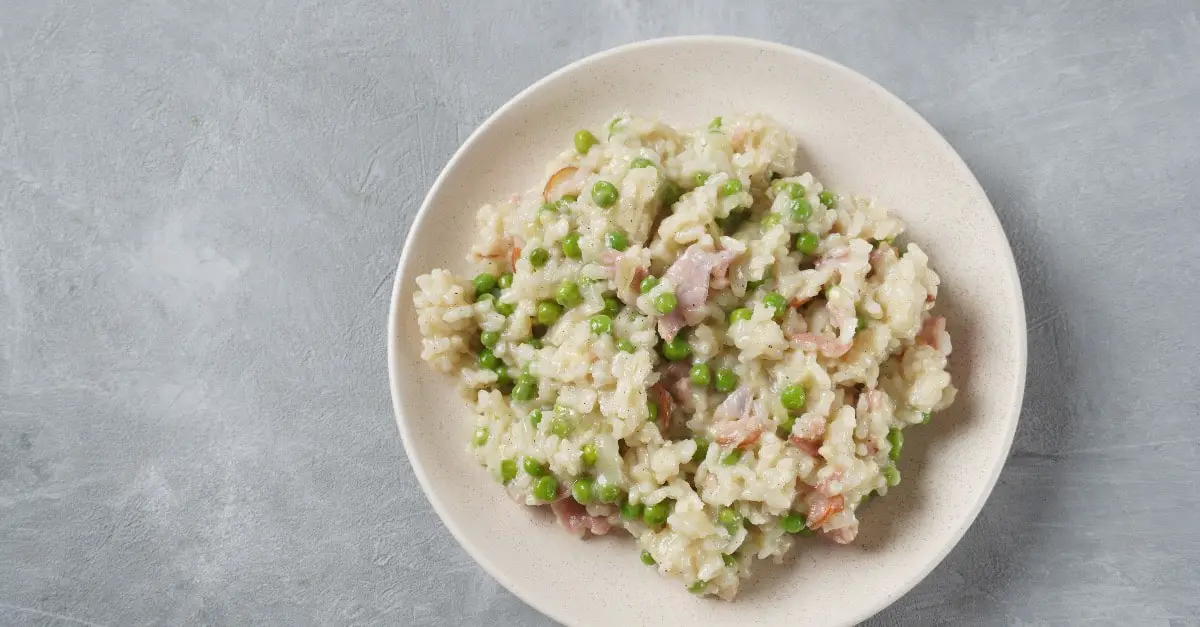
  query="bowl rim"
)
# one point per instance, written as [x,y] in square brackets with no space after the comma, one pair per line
[393,338]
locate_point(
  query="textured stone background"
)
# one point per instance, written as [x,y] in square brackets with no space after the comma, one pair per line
[202,204]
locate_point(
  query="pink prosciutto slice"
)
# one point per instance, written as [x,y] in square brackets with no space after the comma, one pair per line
[828,348]
[675,380]
[626,270]
[574,518]
[739,425]
[735,406]
[808,434]
[659,394]
[670,325]
[821,507]
[515,254]
[808,445]
[933,332]
[720,269]
[691,275]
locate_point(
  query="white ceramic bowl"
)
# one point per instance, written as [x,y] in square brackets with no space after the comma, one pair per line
[855,136]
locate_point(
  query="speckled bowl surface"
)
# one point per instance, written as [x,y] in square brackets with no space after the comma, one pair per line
[855,137]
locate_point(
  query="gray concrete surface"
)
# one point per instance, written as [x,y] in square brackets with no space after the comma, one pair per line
[202,204]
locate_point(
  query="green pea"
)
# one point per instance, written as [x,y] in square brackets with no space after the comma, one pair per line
[697,587]
[792,397]
[505,309]
[535,342]
[612,306]
[656,514]
[806,243]
[701,450]
[777,302]
[770,220]
[792,523]
[895,437]
[584,140]
[600,324]
[647,558]
[733,222]
[508,470]
[806,533]
[670,193]
[729,519]
[677,349]
[648,284]
[891,474]
[613,124]
[604,194]
[730,561]
[570,246]
[726,380]
[525,388]
[535,417]
[785,427]
[625,345]
[715,125]
[587,454]
[732,457]
[486,297]
[665,303]
[700,374]
[631,511]
[505,281]
[488,359]
[502,378]
[795,190]
[652,410]
[700,178]
[484,282]
[539,256]
[641,162]
[549,206]
[560,427]
[800,209]
[609,493]
[827,198]
[545,488]
[533,467]
[568,294]
[616,240]
[740,314]
[730,187]
[583,490]
[480,437]
[925,416]
[489,338]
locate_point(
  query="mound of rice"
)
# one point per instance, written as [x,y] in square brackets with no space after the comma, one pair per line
[681,336]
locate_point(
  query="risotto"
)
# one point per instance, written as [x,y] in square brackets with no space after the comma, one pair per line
[682,336]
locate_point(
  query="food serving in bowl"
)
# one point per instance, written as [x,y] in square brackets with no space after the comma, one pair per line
[683,336]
